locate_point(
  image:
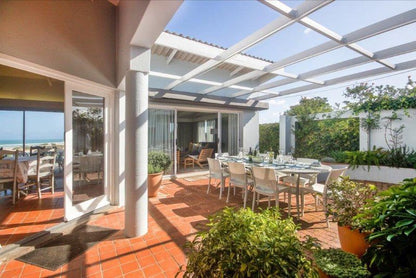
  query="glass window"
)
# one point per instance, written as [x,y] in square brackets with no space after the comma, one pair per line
[11,135]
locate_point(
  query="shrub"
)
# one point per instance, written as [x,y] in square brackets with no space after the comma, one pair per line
[392,219]
[339,264]
[347,199]
[247,244]
[158,162]
[339,156]
[357,158]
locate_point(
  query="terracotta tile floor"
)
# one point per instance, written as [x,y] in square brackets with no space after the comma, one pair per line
[175,215]
[30,215]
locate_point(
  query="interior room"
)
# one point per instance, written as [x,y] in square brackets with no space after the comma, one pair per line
[197,134]
[32,123]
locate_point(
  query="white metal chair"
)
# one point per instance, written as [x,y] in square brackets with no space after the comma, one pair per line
[8,172]
[266,183]
[43,173]
[321,189]
[238,178]
[216,172]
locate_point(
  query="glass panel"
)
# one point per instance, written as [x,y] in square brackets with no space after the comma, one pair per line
[229,133]
[11,135]
[88,147]
[161,128]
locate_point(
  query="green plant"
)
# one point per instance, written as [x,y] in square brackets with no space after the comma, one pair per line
[399,157]
[158,162]
[358,158]
[347,198]
[339,156]
[391,217]
[247,244]
[339,264]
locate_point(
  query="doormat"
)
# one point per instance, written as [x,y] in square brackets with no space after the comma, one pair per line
[63,249]
[196,178]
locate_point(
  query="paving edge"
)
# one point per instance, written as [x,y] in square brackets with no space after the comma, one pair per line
[29,243]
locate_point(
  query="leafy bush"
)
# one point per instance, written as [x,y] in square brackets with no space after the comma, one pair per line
[339,264]
[339,156]
[400,157]
[357,158]
[269,137]
[392,219]
[158,162]
[347,198]
[247,244]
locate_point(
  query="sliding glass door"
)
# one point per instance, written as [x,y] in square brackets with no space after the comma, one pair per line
[161,126]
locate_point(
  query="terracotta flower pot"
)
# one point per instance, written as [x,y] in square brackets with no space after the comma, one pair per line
[352,241]
[322,274]
[153,183]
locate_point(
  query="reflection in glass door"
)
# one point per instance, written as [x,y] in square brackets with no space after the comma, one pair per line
[88,147]
[229,133]
[161,127]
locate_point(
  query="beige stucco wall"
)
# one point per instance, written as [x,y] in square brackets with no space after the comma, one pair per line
[75,37]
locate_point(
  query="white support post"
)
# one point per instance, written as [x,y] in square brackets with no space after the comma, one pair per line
[136,210]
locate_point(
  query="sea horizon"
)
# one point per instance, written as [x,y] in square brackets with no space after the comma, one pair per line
[19,142]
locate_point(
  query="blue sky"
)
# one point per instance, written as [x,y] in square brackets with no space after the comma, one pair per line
[39,125]
[226,22]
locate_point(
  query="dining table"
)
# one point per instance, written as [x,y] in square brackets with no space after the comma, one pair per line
[292,168]
[26,165]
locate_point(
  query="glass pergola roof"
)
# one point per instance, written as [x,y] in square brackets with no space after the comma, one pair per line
[365,42]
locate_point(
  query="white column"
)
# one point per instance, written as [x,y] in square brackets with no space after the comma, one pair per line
[136,209]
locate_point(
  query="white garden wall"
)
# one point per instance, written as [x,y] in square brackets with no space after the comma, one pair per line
[377,135]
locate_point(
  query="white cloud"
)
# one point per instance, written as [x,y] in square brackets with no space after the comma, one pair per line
[277,102]
[307,31]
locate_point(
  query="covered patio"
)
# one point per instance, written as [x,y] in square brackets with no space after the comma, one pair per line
[180,210]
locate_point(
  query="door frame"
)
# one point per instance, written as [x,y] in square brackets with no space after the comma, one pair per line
[74,211]
[179,108]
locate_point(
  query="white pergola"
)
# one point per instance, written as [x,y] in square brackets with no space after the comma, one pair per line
[243,68]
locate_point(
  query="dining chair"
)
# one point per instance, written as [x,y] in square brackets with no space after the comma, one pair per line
[266,183]
[8,172]
[321,189]
[41,174]
[216,172]
[307,160]
[238,178]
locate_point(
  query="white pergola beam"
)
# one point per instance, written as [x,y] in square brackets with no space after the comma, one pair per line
[356,76]
[237,70]
[171,56]
[303,10]
[372,30]
[313,25]
[379,27]
[382,54]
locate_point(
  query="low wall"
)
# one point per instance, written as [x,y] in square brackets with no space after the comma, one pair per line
[381,174]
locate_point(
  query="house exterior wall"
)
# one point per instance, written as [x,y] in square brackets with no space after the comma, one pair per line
[249,129]
[75,37]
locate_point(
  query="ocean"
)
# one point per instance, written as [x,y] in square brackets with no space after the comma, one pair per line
[19,142]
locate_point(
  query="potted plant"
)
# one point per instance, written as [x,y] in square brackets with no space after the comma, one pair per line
[336,263]
[346,199]
[158,162]
[247,244]
[391,218]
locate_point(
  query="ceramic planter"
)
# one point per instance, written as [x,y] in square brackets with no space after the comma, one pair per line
[153,183]
[352,241]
